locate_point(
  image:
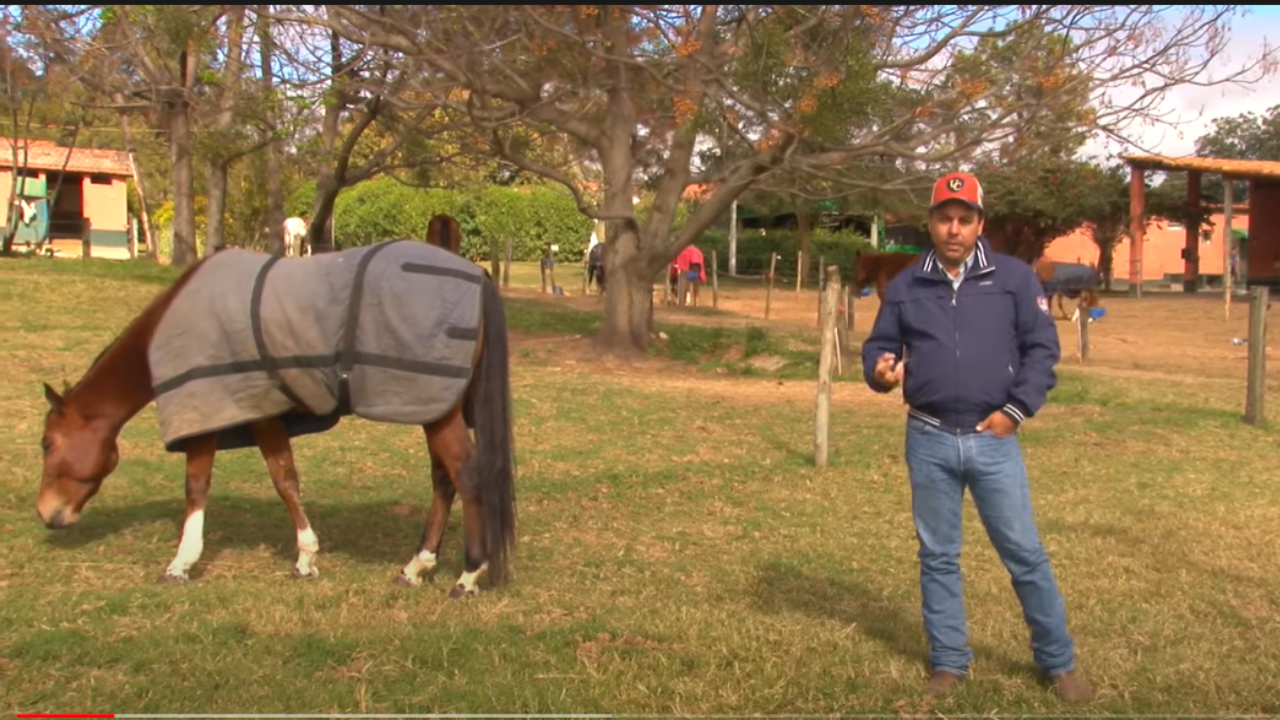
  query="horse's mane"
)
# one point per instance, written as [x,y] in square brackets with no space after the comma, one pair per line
[159,303]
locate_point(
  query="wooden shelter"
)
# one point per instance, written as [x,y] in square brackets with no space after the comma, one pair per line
[90,202]
[1259,264]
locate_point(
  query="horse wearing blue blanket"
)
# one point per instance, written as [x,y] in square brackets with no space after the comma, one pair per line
[1069,280]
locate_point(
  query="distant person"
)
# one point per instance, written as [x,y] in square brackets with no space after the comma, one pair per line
[968,335]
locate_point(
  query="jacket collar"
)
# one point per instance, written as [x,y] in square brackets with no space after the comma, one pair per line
[983,260]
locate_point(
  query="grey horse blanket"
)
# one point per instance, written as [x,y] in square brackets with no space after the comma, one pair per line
[386,332]
[1070,278]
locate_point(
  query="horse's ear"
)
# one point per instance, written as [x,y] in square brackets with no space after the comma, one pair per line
[55,400]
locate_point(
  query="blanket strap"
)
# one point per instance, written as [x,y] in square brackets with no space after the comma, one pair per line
[259,338]
[347,354]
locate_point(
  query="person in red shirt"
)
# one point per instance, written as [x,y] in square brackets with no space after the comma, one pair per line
[688,262]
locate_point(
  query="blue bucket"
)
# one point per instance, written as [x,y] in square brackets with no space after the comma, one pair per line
[866,292]
[1097,312]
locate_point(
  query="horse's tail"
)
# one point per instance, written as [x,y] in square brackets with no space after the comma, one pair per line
[493,468]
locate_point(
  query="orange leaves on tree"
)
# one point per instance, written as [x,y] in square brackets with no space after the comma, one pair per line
[826,80]
[688,46]
[685,109]
[807,105]
[771,139]
[541,48]
[973,88]
[587,11]
[1052,80]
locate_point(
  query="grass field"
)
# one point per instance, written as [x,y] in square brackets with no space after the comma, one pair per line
[678,551]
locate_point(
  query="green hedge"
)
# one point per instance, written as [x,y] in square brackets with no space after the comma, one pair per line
[383,209]
[754,248]
[534,217]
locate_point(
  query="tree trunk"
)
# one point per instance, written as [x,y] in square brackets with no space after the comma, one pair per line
[224,154]
[627,324]
[1106,253]
[184,210]
[215,220]
[274,165]
[320,229]
[331,176]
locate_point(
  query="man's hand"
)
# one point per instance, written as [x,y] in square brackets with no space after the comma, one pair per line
[999,424]
[889,372]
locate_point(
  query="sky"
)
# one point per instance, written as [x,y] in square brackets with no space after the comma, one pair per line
[1194,108]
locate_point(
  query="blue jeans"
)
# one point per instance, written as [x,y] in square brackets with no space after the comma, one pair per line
[941,465]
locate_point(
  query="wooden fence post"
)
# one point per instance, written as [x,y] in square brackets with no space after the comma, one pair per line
[851,295]
[826,363]
[1254,411]
[715,282]
[1083,315]
[86,240]
[768,292]
[800,271]
[506,266]
[821,285]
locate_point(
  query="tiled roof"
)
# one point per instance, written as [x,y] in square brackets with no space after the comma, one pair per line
[44,155]
[1221,166]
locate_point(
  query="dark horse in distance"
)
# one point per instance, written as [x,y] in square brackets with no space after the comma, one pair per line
[251,350]
[444,231]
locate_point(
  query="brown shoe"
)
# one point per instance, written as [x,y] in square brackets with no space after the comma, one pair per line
[1072,687]
[941,683]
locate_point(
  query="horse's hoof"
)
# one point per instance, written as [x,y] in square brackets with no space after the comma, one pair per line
[461,592]
[405,581]
[168,578]
[299,575]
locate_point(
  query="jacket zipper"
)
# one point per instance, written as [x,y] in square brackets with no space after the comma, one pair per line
[955,326]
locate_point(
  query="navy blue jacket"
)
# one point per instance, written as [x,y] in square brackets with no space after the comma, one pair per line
[991,345]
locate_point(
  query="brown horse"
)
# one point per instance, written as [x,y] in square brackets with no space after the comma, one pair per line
[879,268]
[1063,281]
[83,423]
[444,231]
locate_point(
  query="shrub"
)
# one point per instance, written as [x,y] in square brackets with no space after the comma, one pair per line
[532,217]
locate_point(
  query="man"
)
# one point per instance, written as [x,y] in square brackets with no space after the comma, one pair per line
[980,348]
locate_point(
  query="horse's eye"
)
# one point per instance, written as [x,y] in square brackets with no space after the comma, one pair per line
[46,446]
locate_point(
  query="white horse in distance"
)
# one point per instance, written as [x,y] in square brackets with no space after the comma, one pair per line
[295,237]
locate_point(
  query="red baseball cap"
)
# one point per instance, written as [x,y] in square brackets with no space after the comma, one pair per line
[957,186]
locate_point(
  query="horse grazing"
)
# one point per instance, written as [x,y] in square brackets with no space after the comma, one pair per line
[1069,280]
[879,268]
[249,349]
[444,231]
[295,238]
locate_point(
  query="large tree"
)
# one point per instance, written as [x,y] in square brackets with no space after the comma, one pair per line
[1247,136]
[641,86]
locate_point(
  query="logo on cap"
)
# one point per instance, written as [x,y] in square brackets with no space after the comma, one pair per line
[955,184]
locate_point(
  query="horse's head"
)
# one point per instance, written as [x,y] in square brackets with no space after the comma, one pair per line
[79,452]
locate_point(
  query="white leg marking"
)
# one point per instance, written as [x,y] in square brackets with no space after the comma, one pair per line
[308,546]
[190,547]
[467,582]
[424,561]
